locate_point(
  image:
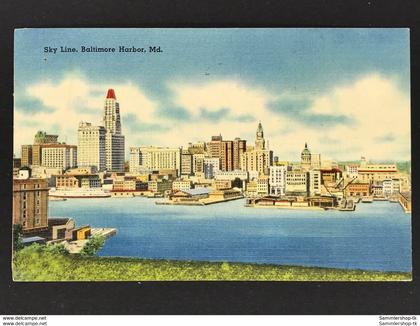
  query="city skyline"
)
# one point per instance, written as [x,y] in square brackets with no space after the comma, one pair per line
[325,96]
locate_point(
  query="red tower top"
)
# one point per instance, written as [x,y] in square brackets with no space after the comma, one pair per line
[111,94]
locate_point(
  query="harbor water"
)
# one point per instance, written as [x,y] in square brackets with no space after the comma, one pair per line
[377,236]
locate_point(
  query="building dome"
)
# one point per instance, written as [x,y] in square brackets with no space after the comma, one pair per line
[306,150]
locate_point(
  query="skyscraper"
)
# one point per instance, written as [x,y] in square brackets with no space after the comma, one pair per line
[260,141]
[239,147]
[91,146]
[114,140]
[259,158]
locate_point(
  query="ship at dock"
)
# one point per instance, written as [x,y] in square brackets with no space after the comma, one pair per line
[97,192]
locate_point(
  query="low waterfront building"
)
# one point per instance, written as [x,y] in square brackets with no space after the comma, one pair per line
[224,194]
[358,189]
[160,186]
[391,187]
[181,185]
[74,181]
[322,201]
[262,186]
[190,195]
[222,184]
[129,184]
[81,233]
[377,172]
[251,189]
[377,189]
[30,204]
[297,182]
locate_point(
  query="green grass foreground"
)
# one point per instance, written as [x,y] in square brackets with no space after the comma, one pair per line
[35,263]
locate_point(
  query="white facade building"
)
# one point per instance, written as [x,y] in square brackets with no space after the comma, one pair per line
[59,156]
[314,182]
[262,186]
[154,158]
[91,146]
[297,182]
[181,185]
[277,180]
[390,187]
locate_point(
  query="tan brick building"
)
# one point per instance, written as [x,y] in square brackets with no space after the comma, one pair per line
[30,204]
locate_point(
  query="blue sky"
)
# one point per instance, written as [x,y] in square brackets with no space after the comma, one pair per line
[299,82]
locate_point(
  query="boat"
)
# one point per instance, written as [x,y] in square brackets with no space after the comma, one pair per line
[56,198]
[98,192]
[367,199]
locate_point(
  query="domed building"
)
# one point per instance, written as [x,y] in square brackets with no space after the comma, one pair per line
[305,158]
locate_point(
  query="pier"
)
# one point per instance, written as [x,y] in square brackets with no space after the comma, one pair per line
[76,246]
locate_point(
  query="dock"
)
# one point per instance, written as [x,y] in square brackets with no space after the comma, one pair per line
[199,202]
[76,246]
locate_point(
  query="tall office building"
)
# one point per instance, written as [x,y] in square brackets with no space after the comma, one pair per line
[214,147]
[186,163]
[26,155]
[226,155]
[260,141]
[91,146]
[114,140]
[239,147]
[211,166]
[257,159]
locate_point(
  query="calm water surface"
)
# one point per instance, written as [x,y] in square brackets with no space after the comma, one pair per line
[376,236]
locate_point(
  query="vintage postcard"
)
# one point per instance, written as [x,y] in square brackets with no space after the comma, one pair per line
[267,154]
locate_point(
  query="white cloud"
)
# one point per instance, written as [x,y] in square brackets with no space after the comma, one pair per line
[379,110]
[76,99]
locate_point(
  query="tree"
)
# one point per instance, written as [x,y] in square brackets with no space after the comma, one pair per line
[17,237]
[94,244]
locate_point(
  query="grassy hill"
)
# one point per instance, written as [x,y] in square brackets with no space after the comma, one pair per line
[36,263]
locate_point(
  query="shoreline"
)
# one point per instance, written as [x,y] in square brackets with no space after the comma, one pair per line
[308,208]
